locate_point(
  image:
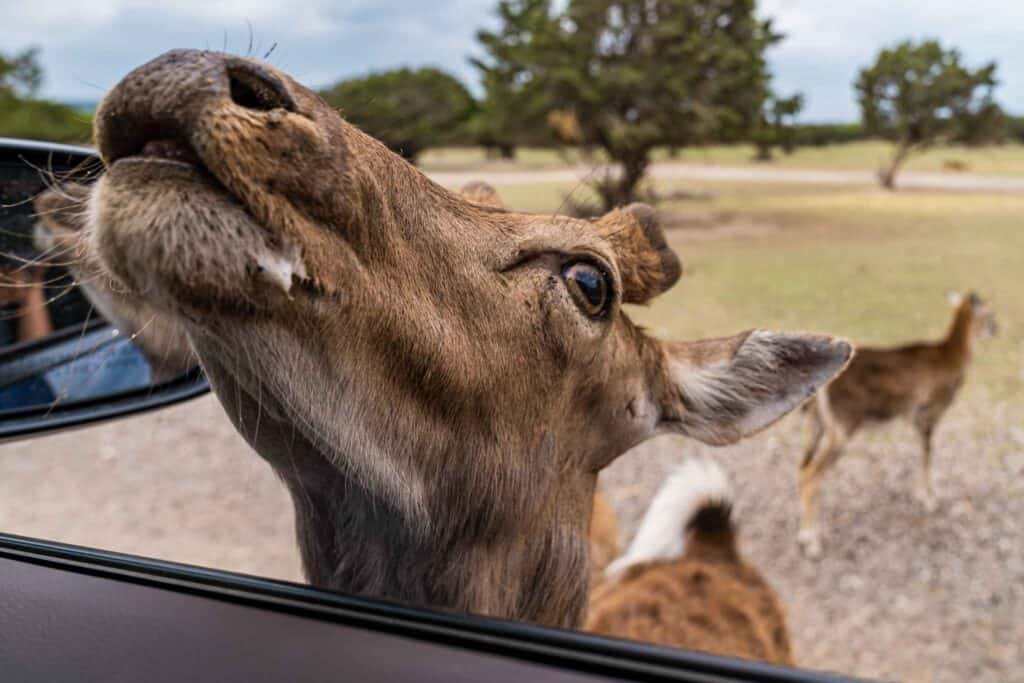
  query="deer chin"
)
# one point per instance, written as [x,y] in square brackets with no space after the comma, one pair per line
[171,233]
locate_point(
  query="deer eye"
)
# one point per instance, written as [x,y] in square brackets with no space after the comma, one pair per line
[590,287]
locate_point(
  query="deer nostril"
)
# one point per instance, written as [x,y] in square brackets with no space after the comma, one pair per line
[255,88]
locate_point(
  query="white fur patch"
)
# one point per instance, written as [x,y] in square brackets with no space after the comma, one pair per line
[729,399]
[662,533]
[278,268]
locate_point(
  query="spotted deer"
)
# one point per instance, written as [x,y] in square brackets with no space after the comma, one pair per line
[916,381]
[436,381]
[683,582]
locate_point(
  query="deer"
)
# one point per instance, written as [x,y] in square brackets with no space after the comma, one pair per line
[683,583]
[58,232]
[437,382]
[917,381]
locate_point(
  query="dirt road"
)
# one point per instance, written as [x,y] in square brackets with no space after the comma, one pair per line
[696,172]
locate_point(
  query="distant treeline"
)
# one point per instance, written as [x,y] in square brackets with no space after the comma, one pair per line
[821,134]
[1015,128]
[41,120]
[24,115]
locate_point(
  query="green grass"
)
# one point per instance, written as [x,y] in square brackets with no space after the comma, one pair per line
[1002,160]
[866,264]
[999,160]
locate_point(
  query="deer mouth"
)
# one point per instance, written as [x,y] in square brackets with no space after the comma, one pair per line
[169,150]
[146,143]
[161,180]
[186,209]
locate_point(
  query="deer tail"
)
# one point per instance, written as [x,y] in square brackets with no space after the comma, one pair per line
[690,516]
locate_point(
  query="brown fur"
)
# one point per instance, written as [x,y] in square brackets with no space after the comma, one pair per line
[604,537]
[709,599]
[413,365]
[916,381]
[649,266]
[482,193]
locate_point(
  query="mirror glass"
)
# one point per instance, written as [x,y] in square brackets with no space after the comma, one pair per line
[66,334]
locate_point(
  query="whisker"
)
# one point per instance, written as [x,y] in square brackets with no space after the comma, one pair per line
[67,290]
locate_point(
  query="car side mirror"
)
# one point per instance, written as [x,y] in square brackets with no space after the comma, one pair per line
[73,349]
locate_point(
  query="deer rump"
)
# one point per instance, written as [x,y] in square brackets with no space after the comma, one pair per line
[683,582]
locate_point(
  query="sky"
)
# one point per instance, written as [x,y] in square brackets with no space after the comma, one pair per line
[87,45]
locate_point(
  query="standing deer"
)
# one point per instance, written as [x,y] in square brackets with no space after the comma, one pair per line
[436,381]
[683,583]
[917,381]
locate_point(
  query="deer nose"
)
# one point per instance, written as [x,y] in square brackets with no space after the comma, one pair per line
[253,86]
[165,98]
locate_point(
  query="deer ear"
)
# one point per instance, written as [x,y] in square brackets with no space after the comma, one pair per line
[482,193]
[722,390]
[647,264]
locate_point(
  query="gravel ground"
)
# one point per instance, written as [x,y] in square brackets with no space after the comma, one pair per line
[761,174]
[899,595]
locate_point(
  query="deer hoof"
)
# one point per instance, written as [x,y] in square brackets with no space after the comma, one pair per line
[810,543]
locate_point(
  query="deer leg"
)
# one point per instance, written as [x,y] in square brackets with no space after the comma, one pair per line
[925,494]
[813,431]
[811,472]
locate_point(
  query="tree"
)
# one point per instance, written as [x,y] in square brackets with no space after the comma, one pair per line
[920,94]
[778,125]
[24,116]
[1015,128]
[515,107]
[409,110]
[638,74]
[21,75]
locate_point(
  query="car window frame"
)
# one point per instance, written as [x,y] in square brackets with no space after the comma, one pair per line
[573,650]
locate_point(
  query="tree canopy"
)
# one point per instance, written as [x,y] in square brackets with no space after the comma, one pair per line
[515,107]
[778,127]
[921,94]
[409,110]
[637,74]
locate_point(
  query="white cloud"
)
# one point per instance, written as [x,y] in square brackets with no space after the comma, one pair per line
[88,44]
[826,45]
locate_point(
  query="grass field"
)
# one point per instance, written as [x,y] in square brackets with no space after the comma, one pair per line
[1002,160]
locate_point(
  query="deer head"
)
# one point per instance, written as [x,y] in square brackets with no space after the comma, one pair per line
[436,380]
[974,314]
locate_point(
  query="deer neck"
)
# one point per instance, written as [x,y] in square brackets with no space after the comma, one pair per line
[957,344]
[355,542]
[358,541]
